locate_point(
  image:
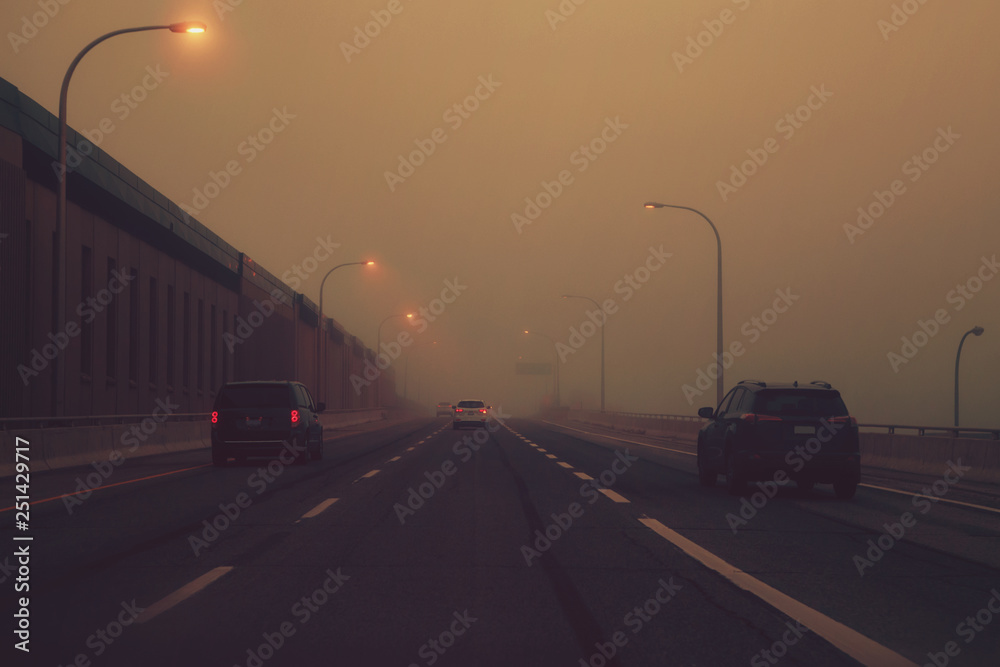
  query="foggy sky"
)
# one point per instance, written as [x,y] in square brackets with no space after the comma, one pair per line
[887,95]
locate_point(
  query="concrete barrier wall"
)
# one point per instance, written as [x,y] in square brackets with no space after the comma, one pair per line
[52,448]
[920,454]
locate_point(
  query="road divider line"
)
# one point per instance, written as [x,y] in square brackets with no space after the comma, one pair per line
[394,458]
[611,437]
[551,456]
[181,594]
[370,473]
[410,449]
[853,643]
[565,465]
[542,450]
[617,497]
[109,486]
[934,498]
[318,509]
[583,475]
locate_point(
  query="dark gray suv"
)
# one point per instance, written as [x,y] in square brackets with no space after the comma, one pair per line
[274,418]
[766,431]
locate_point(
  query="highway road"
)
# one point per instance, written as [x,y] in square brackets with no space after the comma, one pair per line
[524,544]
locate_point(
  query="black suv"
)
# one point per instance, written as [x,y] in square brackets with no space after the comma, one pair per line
[766,431]
[266,419]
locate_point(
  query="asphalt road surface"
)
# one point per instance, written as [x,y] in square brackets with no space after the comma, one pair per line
[522,544]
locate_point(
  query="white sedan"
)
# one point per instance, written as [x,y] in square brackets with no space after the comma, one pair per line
[470,412]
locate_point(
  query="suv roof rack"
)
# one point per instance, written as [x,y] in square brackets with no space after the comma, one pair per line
[758,382]
[820,383]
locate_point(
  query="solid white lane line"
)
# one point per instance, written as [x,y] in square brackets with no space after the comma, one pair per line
[618,498]
[933,498]
[181,594]
[633,442]
[319,508]
[583,475]
[564,465]
[851,642]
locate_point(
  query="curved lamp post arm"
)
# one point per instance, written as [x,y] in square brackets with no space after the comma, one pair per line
[977,331]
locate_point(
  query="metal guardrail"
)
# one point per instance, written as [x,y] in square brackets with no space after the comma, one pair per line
[946,431]
[27,423]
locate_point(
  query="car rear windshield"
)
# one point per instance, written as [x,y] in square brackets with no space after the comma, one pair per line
[800,403]
[470,404]
[253,396]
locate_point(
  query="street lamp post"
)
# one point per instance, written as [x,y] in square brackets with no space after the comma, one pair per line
[977,331]
[321,367]
[603,322]
[718,345]
[59,274]
[555,364]
[378,353]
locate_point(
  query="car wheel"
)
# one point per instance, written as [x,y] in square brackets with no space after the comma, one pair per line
[805,487]
[219,457]
[845,489]
[734,483]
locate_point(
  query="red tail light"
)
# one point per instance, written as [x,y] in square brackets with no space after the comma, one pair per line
[483,410]
[753,418]
[459,410]
[215,417]
[850,421]
[295,416]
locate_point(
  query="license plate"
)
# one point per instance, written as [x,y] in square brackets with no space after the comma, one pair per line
[254,423]
[805,430]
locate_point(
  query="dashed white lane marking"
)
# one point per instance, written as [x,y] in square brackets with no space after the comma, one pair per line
[583,475]
[394,458]
[551,456]
[181,594]
[617,497]
[542,450]
[410,449]
[853,643]
[565,465]
[370,473]
[318,509]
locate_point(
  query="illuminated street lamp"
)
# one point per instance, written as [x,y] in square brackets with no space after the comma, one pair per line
[378,353]
[718,345]
[555,360]
[600,310]
[977,331]
[60,267]
[319,326]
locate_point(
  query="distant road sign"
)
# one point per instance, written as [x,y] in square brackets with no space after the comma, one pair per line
[534,369]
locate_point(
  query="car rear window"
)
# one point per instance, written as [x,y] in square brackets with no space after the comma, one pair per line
[253,396]
[471,404]
[800,403]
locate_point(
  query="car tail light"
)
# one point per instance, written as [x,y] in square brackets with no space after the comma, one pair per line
[850,421]
[753,418]
[215,418]
[459,410]
[295,416]
[483,410]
